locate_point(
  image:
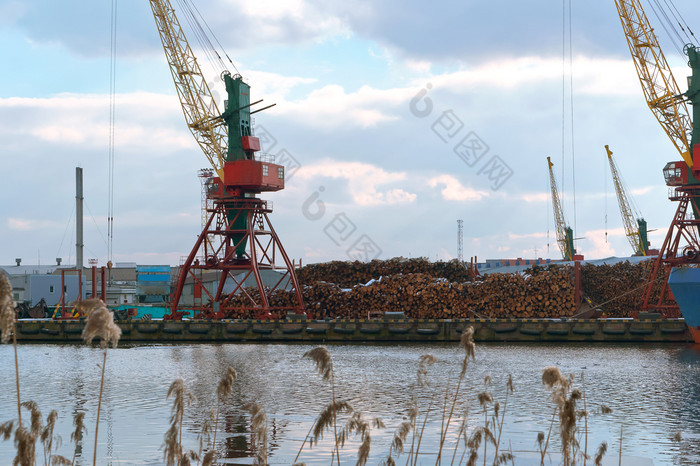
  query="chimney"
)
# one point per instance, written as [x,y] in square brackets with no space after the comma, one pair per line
[19,261]
[78,218]
[58,261]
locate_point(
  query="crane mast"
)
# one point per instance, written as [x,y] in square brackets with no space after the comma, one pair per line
[661,91]
[201,112]
[565,235]
[635,228]
[237,243]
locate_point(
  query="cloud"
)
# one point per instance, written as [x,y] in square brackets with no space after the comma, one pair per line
[454,190]
[535,197]
[74,119]
[331,106]
[27,224]
[527,235]
[363,180]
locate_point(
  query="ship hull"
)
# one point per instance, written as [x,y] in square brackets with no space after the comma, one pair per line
[685,286]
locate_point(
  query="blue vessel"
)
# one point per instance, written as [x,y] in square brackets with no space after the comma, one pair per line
[685,286]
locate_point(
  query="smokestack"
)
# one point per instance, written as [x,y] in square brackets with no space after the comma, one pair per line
[78,218]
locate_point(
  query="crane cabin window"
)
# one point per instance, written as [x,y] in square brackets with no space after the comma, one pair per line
[266,170]
[280,173]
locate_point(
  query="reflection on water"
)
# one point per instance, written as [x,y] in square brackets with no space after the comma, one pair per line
[653,391]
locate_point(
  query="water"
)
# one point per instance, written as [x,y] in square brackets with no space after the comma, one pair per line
[653,391]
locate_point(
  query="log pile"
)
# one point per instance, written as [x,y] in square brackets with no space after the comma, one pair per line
[347,274]
[619,288]
[440,290]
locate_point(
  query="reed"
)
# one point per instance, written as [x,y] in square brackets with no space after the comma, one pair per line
[223,391]
[324,365]
[7,327]
[468,345]
[99,323]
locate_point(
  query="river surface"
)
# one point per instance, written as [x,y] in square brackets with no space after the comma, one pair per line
[652,389]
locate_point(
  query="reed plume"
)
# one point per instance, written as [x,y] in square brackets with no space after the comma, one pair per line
[7,328]
[205,433]
[77,435]
[424,363]
[602,449]
[47,437]
[223,391]
[258,422]
[324,365]
[467,343]
[173,437]
[499,423]
[6,429]
[99,323]
[25,444]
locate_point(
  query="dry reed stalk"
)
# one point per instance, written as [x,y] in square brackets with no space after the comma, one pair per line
[99,323]
[47,435]
[620,458]
[258,422]
[585,423]
[467,343]
[206,433]
[555,380]
[7,327]
[602,449]
[173,437]
[509,390]
[25,444]
[460,434]
[324,365]
[358,425]
[420,436]
[223,391]
[424,363]
[77,435]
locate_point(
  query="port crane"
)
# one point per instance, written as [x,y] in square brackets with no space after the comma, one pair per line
[669,106]
[635,225]
[245,245]
[565,235]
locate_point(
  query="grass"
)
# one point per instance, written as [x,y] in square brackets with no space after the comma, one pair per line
[457,442]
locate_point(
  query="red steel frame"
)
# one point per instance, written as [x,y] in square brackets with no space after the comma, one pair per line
[263,248]
[683,227]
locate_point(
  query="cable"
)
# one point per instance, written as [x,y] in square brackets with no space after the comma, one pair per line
[677,18]
[112,117]
[684,22]
[95,222]
[58,254]
[216,39]
[571,108]
[663,24]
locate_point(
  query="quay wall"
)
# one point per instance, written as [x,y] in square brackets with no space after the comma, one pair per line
[349,330]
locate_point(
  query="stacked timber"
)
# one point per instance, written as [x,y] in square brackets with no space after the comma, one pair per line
[618,289]
[348,274]
[441,291]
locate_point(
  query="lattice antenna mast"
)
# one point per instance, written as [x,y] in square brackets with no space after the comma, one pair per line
[460,240]
[565,235]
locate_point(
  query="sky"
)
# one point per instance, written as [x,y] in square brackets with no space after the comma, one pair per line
[393,120]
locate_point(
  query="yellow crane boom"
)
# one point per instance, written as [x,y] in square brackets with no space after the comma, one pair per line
[660,88]
[201,112]
[565,235]
[635,228]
